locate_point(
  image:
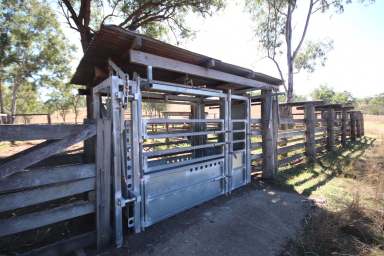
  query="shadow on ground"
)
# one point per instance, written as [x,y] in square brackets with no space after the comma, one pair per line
[325,169]
[256,220]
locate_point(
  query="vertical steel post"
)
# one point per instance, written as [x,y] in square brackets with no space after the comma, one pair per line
[248,141]
[117,154]
[229,141]
[135,141]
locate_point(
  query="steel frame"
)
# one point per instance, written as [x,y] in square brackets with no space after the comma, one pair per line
[160,173]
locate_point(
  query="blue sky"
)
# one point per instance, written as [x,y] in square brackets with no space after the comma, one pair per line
[355,64]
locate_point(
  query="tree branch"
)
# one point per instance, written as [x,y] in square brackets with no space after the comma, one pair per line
[280,73]
[305,30]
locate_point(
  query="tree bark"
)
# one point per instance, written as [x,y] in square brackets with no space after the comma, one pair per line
[15,88]
[288,39]
[1,96]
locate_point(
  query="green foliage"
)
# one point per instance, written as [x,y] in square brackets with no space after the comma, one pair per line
[372,105]
[34,52]
[64,98]
[276,28]
[313,55]
[328,95]
[154,109]
[296,97]
[153,17]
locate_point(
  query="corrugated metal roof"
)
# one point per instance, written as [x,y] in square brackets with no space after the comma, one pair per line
[115,43]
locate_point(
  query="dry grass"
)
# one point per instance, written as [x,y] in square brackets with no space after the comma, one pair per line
[348,193]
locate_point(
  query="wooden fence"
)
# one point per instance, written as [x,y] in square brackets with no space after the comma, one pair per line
[42,185]
[34,178]
[306,135]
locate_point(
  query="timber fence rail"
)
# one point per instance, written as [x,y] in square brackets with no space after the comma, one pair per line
[36,190]
[307,135]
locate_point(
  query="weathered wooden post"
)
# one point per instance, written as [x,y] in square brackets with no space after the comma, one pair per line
[49,118]
[344,127]
[362,124]
[331,129]
[353,125]
[358,124]
[269,134]
[103,174]
[310,121]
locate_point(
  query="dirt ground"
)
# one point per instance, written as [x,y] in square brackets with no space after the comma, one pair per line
[254,220]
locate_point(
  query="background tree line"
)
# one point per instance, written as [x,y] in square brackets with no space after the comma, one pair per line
[35,56]
[34,61]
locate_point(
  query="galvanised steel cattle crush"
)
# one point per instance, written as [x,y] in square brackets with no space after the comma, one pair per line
[223,125]
[164,165]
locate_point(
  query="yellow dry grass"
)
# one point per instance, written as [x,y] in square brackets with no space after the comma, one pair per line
[347,188]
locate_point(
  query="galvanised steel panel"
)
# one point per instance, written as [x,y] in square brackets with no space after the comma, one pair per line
[239,172]
[169,192]
[239,177]
[166,205]
[171,180]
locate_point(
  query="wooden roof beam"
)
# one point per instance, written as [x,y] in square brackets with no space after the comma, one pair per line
[155,61]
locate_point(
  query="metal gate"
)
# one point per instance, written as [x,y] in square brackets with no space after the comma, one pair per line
[168,165]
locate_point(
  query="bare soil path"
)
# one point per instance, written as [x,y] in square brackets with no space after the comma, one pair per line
[254,220]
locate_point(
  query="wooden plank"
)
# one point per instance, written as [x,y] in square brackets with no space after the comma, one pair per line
[22,199]
[290,148]
[103,189]
[64,247]
[256,133]
[186,68]
[46,175]
[256,145]
[21,161]
[289,134]
[256,156]
[42,218]
[37,131]
[287,160]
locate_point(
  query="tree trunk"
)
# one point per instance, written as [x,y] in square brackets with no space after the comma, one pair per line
[288,39]
[290,80]
[15,87]
[1,96]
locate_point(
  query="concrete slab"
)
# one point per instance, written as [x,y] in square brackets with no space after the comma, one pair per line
[252,221]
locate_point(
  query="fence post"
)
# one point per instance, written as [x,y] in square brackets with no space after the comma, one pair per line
[49,118]
[310,120]
[353,125]
[103,175]
[362,124]
[269,134]
[344,127]
[331,129]
[358,124]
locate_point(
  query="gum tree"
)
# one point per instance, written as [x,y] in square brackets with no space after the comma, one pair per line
[154,17]
[36,52]
[277,34]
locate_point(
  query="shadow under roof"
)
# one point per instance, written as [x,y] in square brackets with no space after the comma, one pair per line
[115,43]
